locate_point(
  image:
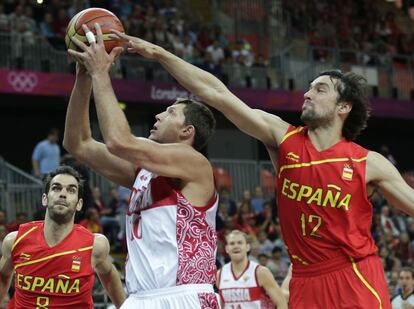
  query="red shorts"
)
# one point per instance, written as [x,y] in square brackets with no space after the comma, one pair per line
[340,283]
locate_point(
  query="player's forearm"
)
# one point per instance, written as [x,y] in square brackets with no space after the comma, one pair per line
[77,127]
[4,286]
[113,286]
[112,121]
[199,82]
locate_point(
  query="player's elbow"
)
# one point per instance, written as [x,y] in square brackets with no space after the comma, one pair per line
[115,146]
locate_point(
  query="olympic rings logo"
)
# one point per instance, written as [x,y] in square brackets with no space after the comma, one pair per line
[22,81]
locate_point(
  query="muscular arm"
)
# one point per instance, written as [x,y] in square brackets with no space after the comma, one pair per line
[266,127]
[286,282]
[268,283]
[78,138]
[172,160]
[381,173]
[6,265]
[106,271]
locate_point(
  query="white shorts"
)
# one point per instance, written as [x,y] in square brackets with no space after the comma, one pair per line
[194,296]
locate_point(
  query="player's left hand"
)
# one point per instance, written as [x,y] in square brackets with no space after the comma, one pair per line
[94,57]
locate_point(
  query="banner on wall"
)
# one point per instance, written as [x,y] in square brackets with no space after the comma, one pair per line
[132,91]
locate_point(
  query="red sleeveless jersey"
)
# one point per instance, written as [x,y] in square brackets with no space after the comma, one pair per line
[323,206]
[52,277]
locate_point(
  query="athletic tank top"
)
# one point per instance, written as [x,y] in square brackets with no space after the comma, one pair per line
[52,277]
[242,292]
[323,206]
[170,242]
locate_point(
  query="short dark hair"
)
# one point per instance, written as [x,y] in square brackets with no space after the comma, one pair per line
[352,88]
[63,169]
[201,117]
[408,270]
[53,131]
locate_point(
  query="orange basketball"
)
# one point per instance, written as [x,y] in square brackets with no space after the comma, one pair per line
[106,19]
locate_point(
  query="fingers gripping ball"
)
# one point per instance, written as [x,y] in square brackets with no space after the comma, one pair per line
[106,19]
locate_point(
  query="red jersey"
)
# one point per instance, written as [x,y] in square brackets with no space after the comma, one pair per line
[323,206]
[52,277]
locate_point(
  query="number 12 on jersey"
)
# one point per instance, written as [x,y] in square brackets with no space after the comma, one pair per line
[310,225]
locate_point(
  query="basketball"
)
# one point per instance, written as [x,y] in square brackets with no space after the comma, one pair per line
[106,19]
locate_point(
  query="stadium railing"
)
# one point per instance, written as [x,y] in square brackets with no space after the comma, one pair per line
[390,75]
[19,191]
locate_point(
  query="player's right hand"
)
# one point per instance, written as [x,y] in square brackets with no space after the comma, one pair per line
[136,45]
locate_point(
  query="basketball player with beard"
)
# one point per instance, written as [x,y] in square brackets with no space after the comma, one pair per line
[324,181]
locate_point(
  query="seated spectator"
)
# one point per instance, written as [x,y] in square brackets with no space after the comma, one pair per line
[97,200]
[2,218]
[108,218]
[4,20]
[231,205]
[216,51]
[403,250]
[277,264]
[3,233]
[91,221]
[21,217]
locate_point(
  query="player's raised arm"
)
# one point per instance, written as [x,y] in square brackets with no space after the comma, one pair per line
[6,265]
[106,271]
[384,175]
[78,138]
[264,126]
[171,158]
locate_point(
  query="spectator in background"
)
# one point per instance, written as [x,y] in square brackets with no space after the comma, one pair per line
[4,20]
[385,151]
[98,204]
[257,201]
[231,205]
[2,218]
[277,264]
[216,52]
[405,299]
[91,221]
[21,217]
[403,250]
[3,233]
[108,218]
[46,154]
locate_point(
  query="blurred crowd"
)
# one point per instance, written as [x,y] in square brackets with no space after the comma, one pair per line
[349,24]
[353,25]
[160,22]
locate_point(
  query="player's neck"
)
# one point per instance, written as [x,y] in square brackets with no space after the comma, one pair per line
[407,293]
[54,233]
[324,138]
[239,266]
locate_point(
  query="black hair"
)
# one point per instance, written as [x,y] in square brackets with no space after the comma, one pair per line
[352,88]
[67,170]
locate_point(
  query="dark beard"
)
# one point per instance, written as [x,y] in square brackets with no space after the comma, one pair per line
[60,218]
[314,121]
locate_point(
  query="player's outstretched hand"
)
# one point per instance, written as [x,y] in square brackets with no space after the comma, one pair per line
[94,57]
[136,45]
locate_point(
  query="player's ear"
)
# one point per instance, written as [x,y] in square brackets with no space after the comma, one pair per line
[345,107]
[79,205]
[188,131]
[44,199]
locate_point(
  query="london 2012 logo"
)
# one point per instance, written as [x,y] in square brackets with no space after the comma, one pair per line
[22,81]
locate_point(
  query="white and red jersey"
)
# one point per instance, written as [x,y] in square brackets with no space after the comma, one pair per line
[170,242]
[242,292]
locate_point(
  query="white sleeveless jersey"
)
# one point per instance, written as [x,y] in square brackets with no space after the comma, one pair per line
[242,292]
[170,242]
